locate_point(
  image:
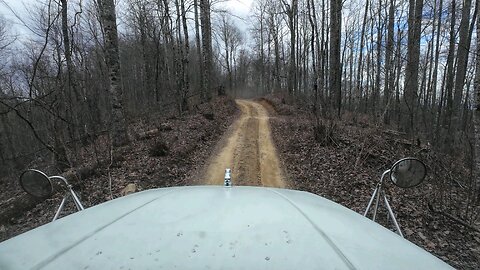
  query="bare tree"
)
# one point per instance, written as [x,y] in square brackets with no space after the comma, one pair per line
[360,63]
[476,113]
[335,72]
[449,77]
[437,53]
[389,81]
[413,55]
[118,124]
[207,51]
[273,25]
[292,12]
[231,37]
[199,49]
[186,55]
[462,57]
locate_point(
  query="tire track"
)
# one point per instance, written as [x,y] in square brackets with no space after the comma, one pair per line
[247,149]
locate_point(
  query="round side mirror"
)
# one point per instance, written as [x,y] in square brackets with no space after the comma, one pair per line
[36,183]
[408,172]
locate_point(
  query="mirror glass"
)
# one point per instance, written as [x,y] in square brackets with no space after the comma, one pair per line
[408,172]
[36,183]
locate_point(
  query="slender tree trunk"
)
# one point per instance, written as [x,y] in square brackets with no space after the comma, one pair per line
[142,25]
[118,127]
[462,59]
[312,44]
[389,62]
[450,71]
[413,55]
[226,39]
[207,47]
[305,58]
[476,113]
[199,51]
[186,55]
[422,99]
[276,48]
[262,54]
[291,11]
[351,72]
[322,64]
[335,71]
[437,54]
[9,145]
[398,71]
[316,38]
[359,79]
[168,47]
[158,50]
[181,58]
[379,45]
[65,100]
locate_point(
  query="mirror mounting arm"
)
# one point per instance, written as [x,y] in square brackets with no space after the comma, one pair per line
[63,179]
[38,184]
[405,173]
[383,176]
[77,202]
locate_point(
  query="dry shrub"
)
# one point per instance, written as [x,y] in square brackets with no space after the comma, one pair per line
[324,132]
[159,149]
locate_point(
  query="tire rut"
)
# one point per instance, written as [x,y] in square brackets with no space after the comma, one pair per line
[247,149]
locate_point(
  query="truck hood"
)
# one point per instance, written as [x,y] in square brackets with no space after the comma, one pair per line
[212,227]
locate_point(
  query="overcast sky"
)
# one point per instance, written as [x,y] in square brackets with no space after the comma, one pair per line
[239,8]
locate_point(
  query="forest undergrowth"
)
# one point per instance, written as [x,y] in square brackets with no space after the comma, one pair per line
[165,150]
[437,215]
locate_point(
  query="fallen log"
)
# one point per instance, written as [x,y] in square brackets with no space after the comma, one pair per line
[147,134]
[142,135]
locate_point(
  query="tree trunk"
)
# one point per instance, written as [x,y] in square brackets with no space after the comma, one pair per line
[389,63]
[186,54]
[462,59]
[476,114]
[226,35]
[314,36]
[118,126]
[207,47]
[335,72]
[322,63]
[291,11]
[276,48]
[379,45]
[450,71]
[359,79]
[437,53]
[430,60]
[413,55]
[179,60]
[262,55]
[398,71]
[60,126]
[199,51]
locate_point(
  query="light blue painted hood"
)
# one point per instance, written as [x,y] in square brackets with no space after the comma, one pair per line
[212,227]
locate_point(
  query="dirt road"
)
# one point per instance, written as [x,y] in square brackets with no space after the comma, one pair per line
[247,149]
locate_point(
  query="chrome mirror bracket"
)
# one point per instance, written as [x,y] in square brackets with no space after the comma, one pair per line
[38,184]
